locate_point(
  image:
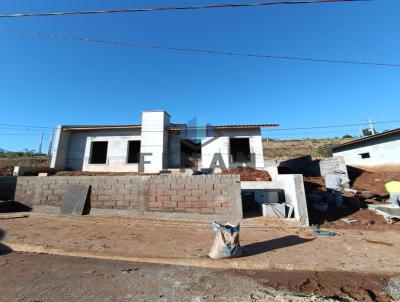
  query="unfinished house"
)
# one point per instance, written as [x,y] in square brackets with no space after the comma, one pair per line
[157,145]
[375,152]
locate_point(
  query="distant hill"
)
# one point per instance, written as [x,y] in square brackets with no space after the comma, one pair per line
[9,159]
[285,149]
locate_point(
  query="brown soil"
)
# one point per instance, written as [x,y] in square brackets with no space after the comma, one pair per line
[329,284]
[363,181]
[287,149]
[370,181]
[249,174]
[7,164]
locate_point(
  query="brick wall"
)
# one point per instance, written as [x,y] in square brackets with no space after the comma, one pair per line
[106,192]
[203,194]
[207,194]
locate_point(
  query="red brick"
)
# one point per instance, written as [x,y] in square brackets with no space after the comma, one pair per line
[163,198]
[200,204]
[213,205]
[206,186]
[192,198]
[198,192]
[177,198]
[184,192]
[184,204]
[153,198]
[170,192]
[155,204]
[110,204]
[191,186]
[225,204]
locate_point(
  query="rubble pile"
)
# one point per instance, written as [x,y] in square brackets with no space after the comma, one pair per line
[249,174]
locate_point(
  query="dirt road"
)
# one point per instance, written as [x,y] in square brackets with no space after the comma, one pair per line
[33,277]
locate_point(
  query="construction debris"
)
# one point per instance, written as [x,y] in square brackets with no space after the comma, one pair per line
[249,174]
[349,220]
[390,212]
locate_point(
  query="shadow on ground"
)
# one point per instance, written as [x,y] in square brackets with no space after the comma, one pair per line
[4,249]
[13,206]
[274,244]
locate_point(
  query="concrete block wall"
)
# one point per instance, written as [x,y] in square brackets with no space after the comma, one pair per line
[106,192]
[327,165]
[205,194]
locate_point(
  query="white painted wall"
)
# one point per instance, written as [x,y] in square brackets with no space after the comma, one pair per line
[220,144]
[155,140]
[384,153]
[77,152]
[117,154]
[60,149]
[293,185]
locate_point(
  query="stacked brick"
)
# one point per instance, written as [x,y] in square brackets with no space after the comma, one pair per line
[206,194]
[106,192]
[203,194]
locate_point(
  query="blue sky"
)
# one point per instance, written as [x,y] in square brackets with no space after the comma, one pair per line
[48,82]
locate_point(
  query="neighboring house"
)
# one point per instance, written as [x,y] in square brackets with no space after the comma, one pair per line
[156,145]
[380,151]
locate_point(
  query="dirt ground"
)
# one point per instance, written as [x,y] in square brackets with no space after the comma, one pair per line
[7,164]
[363,181]
[249,174]
[39,277]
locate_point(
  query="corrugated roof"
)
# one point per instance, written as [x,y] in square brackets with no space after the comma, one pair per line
[172,127]
[368,138]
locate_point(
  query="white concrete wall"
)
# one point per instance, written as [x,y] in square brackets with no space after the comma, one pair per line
[293,185]
[155,140]
[384,152]
[60,149]
[79,149]
[117,154]
[220,144]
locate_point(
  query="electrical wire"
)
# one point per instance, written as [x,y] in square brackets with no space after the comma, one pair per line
[176,8]
[194,50]
[331,126]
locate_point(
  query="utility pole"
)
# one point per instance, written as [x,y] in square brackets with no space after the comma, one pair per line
[371,128]
[361,131]
[41,143]
[51,143]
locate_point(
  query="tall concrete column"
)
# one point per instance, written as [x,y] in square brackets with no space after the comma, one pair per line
[154,140]
[59,152]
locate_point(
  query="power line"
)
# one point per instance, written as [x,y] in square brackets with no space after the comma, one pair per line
[331,126]
[26,126]
[211,126]
[194,50]
[176,8]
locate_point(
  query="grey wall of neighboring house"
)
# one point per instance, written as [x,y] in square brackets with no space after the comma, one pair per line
[384,153]
[313,167]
